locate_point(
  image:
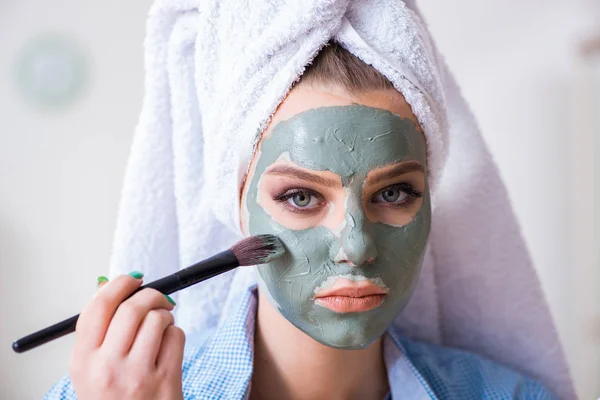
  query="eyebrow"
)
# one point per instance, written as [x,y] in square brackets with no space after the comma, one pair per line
[397,170]
[287,170]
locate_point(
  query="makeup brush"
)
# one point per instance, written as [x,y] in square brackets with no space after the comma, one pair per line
[254,250]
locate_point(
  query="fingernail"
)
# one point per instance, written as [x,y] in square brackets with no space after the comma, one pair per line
[101,280]
[136,274]
[170,299]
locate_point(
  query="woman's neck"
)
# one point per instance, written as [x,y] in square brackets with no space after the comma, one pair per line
[288,364]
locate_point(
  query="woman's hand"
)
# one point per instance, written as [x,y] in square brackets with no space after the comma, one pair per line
[130,350]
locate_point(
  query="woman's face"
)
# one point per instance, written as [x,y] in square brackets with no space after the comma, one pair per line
[342,180]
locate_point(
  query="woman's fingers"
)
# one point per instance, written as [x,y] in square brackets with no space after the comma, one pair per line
[170,356]
[149,338]
[119,339]
[129,316]
[102,280]
[96,316]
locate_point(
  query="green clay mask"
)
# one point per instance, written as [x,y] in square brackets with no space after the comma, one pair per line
[349,141]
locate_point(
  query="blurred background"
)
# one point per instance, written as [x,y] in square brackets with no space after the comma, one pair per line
[71,85]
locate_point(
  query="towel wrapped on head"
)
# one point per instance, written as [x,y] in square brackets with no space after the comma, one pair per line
[216,70]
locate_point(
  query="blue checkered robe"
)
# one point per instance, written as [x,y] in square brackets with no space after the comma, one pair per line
[219,366]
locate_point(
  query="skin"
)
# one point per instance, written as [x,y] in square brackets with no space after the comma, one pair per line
[290,360]
[130,350]
[346,225]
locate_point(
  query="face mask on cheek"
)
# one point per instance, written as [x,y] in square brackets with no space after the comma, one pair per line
[349,141]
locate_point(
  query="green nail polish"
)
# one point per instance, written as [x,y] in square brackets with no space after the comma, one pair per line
[101,279]
[170,299]
[136,274]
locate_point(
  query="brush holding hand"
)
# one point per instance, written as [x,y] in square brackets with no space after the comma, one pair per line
[127,346]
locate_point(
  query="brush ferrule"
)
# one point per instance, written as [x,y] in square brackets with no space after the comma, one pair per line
[215,265]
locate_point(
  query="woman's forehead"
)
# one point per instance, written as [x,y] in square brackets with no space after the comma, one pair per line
[349,140]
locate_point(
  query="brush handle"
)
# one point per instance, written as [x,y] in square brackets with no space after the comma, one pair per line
[182,279]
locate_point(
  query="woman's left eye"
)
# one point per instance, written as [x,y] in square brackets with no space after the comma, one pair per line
[393,195]
[396,194]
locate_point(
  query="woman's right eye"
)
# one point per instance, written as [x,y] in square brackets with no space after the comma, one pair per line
[300,200]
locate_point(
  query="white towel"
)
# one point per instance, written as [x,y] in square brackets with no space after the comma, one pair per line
[215,72]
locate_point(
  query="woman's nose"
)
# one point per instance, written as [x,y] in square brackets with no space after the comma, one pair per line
[357,243]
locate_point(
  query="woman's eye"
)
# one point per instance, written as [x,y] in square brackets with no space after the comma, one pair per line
[391,195]
[396,194]
[300,200]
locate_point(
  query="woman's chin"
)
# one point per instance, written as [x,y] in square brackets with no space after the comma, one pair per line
[348,338]
[349,341]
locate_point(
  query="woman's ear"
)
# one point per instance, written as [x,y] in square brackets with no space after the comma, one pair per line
[244,192]
[243,227]
[243,211]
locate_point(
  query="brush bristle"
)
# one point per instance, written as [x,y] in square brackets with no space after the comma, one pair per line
[259,249]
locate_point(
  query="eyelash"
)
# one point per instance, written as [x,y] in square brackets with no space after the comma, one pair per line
[287,194]
[405,187]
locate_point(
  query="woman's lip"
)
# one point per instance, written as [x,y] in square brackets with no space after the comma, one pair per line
[347,304]
[346,296]
[347,288]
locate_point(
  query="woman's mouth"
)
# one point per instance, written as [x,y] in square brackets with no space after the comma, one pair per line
[346,295]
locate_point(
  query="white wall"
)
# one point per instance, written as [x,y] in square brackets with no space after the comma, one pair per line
[517,63]
[60,177]
[60,173]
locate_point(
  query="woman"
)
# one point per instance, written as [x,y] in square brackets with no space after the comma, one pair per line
[343,173]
